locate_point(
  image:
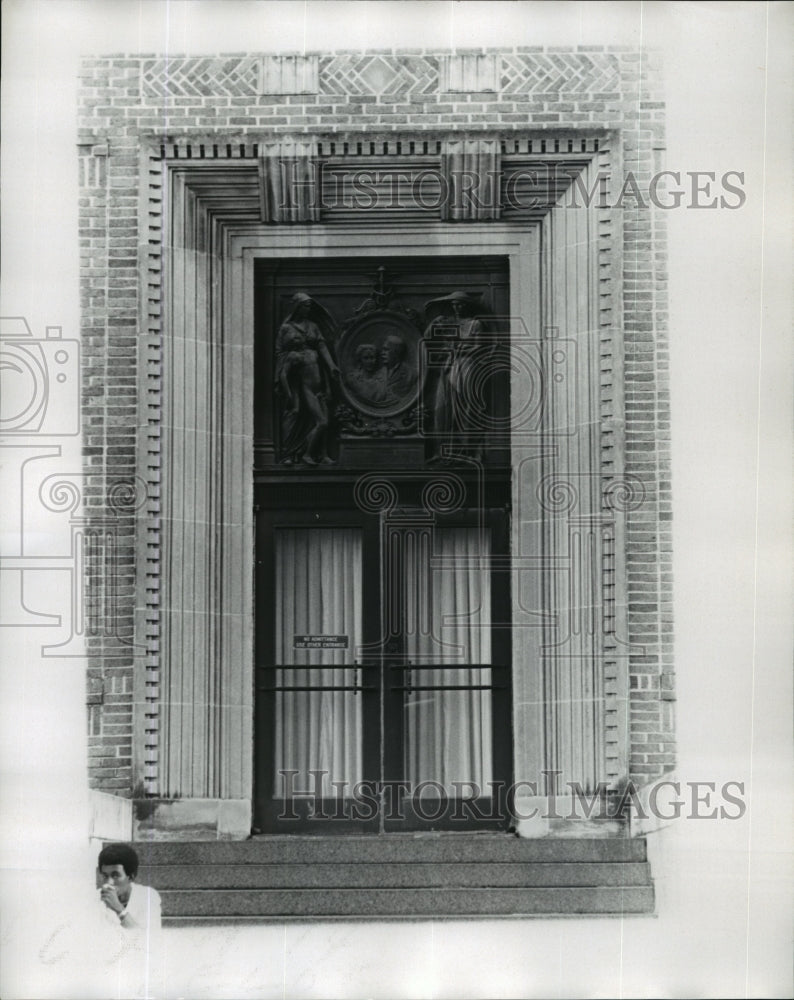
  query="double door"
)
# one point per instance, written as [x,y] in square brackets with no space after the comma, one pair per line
[383,668]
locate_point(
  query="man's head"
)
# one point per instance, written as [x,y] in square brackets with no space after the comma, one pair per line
[118,866]
[120,854]
[393,350]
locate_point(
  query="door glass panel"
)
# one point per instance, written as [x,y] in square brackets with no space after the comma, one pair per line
[318,630]
[447,707]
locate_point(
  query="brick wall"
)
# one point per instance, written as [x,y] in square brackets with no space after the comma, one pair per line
[242,95]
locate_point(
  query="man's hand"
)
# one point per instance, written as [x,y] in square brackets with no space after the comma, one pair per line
[110,898]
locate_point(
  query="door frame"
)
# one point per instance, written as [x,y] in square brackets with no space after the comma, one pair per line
[522,248]
[206,274]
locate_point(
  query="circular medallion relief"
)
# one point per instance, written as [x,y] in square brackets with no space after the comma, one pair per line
[379,360]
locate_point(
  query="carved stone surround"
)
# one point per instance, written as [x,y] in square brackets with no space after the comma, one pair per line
[194,718]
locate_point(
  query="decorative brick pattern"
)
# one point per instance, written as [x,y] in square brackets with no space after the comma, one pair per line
[573,73]
[225,105]
[381,75]
[237,76]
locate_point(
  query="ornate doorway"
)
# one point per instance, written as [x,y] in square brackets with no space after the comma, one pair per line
[215,415]
[382,490]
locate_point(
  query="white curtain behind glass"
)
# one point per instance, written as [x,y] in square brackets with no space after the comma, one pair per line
[448,733]
[318,592]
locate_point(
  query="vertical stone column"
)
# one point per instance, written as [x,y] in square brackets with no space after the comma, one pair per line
[575,526]
[206,544]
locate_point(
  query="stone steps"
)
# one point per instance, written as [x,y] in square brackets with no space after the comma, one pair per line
[280,904]
[394,876]
[396,847]
[400,876]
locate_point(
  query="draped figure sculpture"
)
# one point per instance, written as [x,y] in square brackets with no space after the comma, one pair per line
[453,400]
[306,375]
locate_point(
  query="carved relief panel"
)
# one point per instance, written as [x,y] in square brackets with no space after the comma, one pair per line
[363,363]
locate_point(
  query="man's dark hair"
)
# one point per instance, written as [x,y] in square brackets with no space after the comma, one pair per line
[119,854]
